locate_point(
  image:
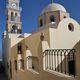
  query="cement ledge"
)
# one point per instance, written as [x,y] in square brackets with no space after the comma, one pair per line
[61,74]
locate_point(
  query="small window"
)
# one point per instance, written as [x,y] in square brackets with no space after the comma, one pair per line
[16,16]
[52,19]
[12,16]
[71,27]
[19,49]
[41,23]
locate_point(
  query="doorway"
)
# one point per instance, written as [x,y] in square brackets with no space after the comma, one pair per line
[71,64]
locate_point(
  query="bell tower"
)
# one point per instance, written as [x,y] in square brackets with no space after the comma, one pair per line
[13,24]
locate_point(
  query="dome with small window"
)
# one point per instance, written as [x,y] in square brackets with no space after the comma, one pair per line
[53,7]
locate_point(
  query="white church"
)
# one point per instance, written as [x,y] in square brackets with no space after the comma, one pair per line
[50,53]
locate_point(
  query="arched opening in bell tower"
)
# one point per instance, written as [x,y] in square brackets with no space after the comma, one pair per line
[12,16]
[16,16]
[14,29]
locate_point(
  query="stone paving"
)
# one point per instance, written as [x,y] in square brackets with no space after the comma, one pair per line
[3,76]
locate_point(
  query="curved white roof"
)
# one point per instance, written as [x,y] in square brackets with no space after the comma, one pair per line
[53,7]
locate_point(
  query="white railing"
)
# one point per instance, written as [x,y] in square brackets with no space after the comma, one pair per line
[60,60]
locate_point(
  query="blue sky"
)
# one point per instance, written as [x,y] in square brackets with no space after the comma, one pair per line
[31,9]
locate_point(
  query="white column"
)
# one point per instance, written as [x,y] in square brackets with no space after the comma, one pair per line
[63,62]
[59,62]
[53,62]
[44,61]
[67,62]
[48,60]
[56,60]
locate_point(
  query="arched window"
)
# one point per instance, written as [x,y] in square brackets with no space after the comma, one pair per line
[16,16]
[52,18]
[19,49]
[41,22]
[14,29]
[12,16]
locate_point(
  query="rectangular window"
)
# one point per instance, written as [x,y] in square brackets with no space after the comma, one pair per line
[19,49]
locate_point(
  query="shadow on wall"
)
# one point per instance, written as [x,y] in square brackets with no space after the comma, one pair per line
[72,59]
[62,60]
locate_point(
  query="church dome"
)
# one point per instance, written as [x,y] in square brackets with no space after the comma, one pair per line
[53,7]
